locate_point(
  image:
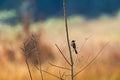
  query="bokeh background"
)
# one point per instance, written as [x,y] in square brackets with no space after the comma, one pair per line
[53,8]
[92,24]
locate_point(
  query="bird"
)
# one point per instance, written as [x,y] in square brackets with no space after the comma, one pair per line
[73,44]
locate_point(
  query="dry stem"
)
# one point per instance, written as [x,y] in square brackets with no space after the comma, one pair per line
[68,41]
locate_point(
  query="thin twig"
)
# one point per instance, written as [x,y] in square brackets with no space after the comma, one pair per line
[62,54]
[91,60]
[59,66]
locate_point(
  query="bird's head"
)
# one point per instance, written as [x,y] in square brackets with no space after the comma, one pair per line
[73,40]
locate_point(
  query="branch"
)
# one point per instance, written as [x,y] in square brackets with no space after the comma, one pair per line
[59,66]
[63,55]
[91,60]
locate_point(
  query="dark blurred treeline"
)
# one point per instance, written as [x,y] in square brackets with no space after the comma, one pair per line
[94,8]
[48,8]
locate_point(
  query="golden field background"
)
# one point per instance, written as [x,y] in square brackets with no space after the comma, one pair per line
[91,34]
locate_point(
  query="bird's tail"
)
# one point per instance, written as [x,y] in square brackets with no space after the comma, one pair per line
[76,51]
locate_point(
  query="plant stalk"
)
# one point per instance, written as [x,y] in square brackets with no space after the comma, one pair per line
[68,41]
[28,68]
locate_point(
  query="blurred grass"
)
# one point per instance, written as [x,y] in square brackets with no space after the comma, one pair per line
[99,31]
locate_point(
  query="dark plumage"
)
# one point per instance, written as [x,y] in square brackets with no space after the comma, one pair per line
[73,44]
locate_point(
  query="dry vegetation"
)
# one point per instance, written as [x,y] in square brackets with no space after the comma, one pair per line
[97,32]
[90,36]
[36,56]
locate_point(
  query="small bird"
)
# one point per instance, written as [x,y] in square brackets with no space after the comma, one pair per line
[73,44]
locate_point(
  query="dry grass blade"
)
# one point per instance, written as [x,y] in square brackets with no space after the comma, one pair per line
[91,60]
[40,70]
[36,43]
[35,40]
[29,45]
[29,70]
[26,61]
